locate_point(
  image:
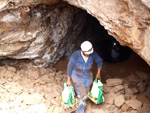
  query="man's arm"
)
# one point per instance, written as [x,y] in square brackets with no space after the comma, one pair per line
[69,69]
[98,60]
[98,75]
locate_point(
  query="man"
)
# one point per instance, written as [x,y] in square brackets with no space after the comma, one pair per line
[79,70]
[115,52]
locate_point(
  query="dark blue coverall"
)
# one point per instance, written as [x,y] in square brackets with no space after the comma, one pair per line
[81,74]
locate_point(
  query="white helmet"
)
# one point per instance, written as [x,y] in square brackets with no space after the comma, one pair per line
[87,47]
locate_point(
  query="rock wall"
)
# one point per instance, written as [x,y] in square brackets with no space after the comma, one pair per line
[39,33]
[126,20]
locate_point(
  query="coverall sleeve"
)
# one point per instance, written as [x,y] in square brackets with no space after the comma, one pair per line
[98,60]
[70,65]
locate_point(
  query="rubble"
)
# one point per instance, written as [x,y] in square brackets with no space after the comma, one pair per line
[30,90]
[126,95]
[36,90]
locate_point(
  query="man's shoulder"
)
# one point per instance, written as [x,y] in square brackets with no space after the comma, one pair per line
[94,52]
[76,53]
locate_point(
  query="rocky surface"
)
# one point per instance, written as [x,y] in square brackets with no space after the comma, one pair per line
[125,100]
[127,20]
[30,90]
[39,33]
[34,90]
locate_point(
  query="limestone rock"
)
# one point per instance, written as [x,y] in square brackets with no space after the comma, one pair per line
[34,98]
[135,104]
[118,88]
[134,90]
[124,107]
[99,111]
[133,111]
[109,98]
[133,78]
[125,85]
[32,73]
[12,69]
[106,88]
[39,33]
[16,88]
[128,91]
[119,101]
[114,82]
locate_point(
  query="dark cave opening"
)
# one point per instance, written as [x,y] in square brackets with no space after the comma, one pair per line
[104,44]
[128,62]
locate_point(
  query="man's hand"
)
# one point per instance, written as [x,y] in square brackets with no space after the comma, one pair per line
[69,81]
[98,73]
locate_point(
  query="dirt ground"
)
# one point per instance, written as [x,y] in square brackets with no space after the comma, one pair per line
[114,70]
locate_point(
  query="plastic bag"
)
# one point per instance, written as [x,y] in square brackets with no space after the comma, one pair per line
[96,93]
[67,96]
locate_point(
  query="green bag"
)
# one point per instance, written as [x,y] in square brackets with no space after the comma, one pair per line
[67,96]
[96,93]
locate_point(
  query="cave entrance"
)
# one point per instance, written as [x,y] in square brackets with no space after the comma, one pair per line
[128,66]
[128,62]
[106,45]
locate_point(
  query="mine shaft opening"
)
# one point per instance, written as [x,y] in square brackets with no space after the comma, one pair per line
[120,63]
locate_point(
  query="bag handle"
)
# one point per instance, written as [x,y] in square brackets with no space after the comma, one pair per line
[96,80]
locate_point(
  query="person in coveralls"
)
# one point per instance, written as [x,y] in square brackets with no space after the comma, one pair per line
[79,70]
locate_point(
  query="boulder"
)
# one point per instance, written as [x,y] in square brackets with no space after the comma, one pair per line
[135,91]
[12,69]
[118,88]
[119,100]
[114,82]
[128,91]
[109,98]
[106,88]
[135,104]
[125,85]
[32,73]
[124,107]
[133,78]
